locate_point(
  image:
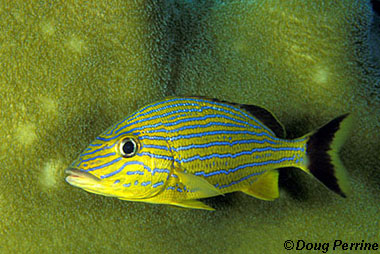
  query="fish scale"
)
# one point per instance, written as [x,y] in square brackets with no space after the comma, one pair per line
[189,148]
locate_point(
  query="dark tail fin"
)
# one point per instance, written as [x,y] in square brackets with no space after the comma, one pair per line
[322,153]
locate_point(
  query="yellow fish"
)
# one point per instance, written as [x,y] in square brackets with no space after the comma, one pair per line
[179,150]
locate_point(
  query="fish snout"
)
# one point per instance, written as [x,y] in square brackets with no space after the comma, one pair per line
[80,178]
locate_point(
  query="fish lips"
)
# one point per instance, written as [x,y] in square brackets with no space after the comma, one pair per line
[80,178]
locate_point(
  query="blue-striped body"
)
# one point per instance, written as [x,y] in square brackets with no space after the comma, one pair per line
[215,141]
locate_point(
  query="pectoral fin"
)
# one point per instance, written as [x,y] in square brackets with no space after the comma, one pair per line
[265,187]
[197,185]
[195,204]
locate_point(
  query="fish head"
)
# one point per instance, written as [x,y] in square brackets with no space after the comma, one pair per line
[122,165]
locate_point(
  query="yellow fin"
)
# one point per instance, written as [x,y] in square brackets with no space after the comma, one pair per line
[199,186]
[265,187]
[192,203]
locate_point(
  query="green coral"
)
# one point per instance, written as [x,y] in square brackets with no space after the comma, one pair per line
[71,69]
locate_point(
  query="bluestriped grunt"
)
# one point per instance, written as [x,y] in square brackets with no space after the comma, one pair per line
[179,150]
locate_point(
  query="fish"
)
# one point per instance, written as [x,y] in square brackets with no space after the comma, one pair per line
[182,149]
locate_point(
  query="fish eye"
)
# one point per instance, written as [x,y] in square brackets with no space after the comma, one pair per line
[128,147]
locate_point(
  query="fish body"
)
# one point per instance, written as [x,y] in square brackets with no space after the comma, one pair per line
[179,150]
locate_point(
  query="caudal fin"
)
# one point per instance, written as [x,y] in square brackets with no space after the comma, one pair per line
[322,153]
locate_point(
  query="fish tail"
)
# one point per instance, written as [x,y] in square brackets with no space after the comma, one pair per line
[322,150]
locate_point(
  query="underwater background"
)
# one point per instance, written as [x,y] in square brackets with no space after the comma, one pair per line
[70,69]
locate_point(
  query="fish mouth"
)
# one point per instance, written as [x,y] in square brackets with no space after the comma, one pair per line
[80,178]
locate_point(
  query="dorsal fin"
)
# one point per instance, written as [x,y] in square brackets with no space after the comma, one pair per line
[262,114]
[267,118]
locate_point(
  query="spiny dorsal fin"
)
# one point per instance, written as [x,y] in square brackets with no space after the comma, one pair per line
[267,118]
[262,114]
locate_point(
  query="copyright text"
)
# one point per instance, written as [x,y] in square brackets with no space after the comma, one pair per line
[336,245]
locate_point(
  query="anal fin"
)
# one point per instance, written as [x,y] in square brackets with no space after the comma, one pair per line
[265,187]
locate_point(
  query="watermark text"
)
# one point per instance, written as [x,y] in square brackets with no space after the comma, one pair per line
[336,245]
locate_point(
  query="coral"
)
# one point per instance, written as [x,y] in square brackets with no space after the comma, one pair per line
[297,46]
[71,69]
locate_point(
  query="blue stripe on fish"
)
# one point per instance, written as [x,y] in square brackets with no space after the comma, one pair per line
[95,144]
[197,126]
[207,133]
[133,116]
[157,156]
[155,170]
[157,147]
[222,108]
[178,122]
[233,170]
[202,118]
[99,156]
[141,115]
[146,183]
[137,172]
[100,149]
[153,118]
[104,165]
[158,184]
[175,112]
[223,143]
[177,116]
[211,144]
[241,179]
[158,170]
[139,163]
[229,107]
[229,155]
[114,172]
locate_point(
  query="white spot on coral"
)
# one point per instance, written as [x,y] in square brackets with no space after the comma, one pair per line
[49,175]
[240,46]
[47,28]
[321,75]
[25,133]
[49,105]
[77,45]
